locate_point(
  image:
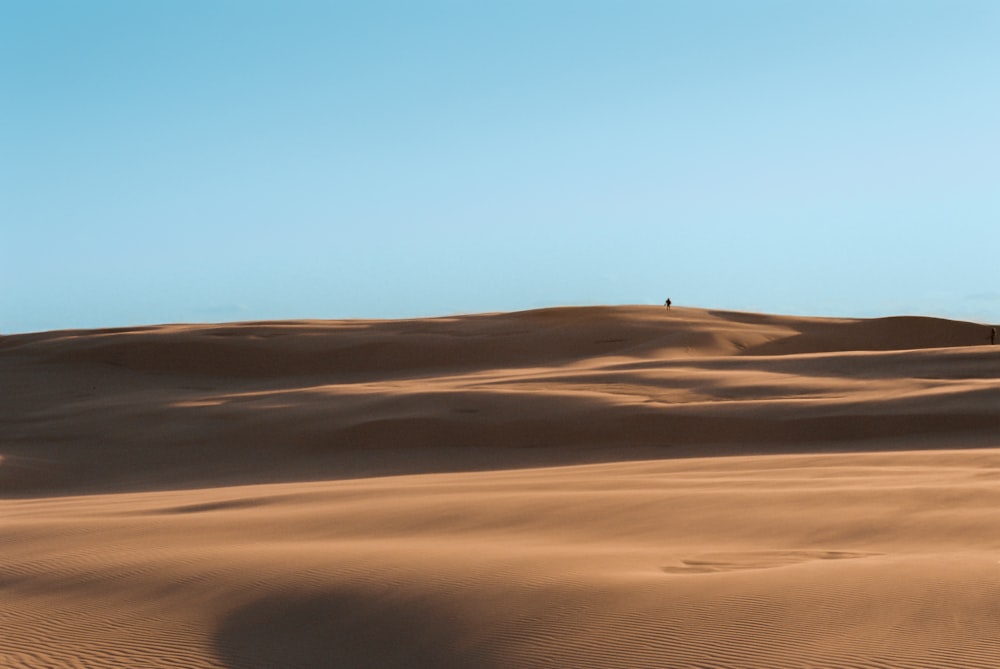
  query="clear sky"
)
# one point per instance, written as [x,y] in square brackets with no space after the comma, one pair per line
[229,160]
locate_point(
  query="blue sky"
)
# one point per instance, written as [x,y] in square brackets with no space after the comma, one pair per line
[229,160]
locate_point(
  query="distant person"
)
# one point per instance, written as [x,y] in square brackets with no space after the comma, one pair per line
[668,303]
[993,334]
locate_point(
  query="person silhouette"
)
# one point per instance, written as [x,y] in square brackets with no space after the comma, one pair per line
[667,303]
[993,335]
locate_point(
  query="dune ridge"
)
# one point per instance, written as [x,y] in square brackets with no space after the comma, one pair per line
[568,487]
[263,402]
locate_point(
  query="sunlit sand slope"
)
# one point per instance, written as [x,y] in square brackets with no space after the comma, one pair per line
[849,560]
[573,488]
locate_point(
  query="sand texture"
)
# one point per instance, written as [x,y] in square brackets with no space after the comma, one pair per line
[605,487]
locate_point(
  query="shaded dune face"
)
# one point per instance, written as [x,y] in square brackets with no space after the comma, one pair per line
[257,402]
[576,488]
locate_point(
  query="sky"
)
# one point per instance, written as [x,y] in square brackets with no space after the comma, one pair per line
[236,160]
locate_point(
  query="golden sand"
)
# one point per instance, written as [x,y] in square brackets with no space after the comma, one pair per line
[576,487]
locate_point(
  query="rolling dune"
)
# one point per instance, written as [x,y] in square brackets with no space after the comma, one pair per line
[574,487]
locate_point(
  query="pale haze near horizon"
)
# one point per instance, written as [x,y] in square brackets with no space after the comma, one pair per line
[226,161]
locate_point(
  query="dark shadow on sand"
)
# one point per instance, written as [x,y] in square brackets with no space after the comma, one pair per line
[344,630]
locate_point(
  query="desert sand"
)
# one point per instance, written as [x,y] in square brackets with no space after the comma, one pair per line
[574,487]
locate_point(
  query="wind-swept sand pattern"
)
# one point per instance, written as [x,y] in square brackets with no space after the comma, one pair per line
[576,487]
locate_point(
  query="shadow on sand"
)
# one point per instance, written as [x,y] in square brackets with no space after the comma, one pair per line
[343,630]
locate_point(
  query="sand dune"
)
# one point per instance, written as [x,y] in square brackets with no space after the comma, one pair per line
[572,487]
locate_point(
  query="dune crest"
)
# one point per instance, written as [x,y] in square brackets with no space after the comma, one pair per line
[262,402]
[569,487]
